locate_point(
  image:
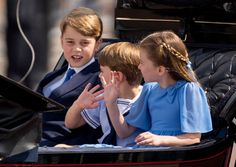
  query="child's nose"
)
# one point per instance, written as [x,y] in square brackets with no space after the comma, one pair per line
[78,49]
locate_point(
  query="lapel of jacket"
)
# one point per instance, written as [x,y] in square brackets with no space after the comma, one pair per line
[49,77]
[76,81]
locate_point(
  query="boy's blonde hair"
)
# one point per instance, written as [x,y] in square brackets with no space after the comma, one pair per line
[123,57]
[167,49]
[85,21]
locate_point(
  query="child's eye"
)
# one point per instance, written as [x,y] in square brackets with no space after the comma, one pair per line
[69,42]
[84,43]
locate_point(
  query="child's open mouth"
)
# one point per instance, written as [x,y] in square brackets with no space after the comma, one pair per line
[77,57]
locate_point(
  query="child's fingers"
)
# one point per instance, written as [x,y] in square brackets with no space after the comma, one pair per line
[145,142]
[98,98]
[103,81]
[98,93]
[112,77]
[63,146]
[138,138]
[87,87]
[141,137]
[94,89]
[95,105]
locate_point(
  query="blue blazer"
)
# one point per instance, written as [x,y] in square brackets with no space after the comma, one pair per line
[53,128]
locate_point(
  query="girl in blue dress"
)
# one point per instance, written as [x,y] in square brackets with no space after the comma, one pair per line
[172,109]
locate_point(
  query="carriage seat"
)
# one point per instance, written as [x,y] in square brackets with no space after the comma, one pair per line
[216,71]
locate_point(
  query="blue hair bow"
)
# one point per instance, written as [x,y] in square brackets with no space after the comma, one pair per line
[189,65]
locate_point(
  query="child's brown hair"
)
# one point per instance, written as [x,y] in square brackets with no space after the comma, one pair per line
[167,49]
[85,21]
[123,57]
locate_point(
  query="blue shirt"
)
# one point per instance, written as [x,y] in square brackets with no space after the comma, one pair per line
[178,109]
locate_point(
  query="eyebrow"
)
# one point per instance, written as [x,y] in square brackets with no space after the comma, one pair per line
[69,38]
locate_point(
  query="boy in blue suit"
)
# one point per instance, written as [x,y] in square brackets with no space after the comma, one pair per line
[81,32]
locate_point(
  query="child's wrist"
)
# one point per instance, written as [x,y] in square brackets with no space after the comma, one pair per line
[111,103]
[79,105]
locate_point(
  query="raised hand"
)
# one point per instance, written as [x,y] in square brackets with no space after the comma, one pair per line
[111,88]
[89,97]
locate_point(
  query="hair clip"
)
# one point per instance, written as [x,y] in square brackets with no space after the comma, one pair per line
[189,65]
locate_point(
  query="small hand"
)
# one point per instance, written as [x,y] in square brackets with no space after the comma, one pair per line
[89,98]
[63,146]
[148,138]
[111,89]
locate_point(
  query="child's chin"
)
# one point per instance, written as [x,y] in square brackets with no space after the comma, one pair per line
[76,64]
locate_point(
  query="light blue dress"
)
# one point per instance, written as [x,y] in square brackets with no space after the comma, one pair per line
[178,109]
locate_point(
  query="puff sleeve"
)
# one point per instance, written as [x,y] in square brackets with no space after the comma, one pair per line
[195,114]
[139,115]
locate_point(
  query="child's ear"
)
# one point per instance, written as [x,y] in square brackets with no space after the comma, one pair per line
[98,44]
[162,69]
[120,76]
